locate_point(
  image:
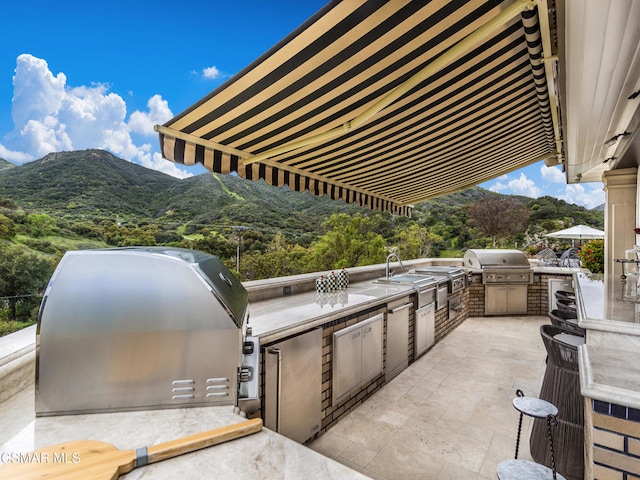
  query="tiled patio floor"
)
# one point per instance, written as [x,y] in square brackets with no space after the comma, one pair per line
[449,415]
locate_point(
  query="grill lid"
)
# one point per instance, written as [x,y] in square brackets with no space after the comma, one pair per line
[226,287]
[495,258]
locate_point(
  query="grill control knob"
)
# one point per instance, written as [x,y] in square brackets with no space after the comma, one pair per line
[247,348]
[245,374]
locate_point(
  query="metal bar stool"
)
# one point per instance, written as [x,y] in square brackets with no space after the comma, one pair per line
[524,469]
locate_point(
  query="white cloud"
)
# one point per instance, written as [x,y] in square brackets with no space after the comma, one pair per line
[156,162]
[14,157]
[143,122]
[36,92]
[588,198]
[524,186]
[50,116]
[498,187]
[552,174]
[211,73]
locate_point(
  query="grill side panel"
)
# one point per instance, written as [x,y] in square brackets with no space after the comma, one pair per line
[124,330]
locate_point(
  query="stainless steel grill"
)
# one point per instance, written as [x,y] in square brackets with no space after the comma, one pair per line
[506,275]
[500,266]
[455,275]
[143,328]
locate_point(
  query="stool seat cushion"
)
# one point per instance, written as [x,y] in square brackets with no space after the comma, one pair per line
[525,470]
[535,407]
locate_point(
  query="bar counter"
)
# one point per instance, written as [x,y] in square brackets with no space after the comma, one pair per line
[609,366]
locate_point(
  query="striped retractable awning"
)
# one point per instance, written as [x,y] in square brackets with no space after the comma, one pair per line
[382,103]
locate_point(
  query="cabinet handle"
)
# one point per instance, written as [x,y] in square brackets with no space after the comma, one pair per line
[398,309]
[276,351]
[355,335]
[368,329]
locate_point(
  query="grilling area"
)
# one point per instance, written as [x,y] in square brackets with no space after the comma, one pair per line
[286,316]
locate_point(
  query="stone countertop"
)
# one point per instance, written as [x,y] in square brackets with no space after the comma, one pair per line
[600,305]
[279,317]
[610,375]
[550,269]
[609,362]
[263,455]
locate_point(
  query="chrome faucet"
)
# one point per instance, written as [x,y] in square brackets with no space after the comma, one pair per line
[388,258]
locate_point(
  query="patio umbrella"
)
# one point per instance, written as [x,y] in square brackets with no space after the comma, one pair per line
[580,232]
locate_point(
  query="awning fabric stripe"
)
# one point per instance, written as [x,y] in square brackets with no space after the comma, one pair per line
[484,113]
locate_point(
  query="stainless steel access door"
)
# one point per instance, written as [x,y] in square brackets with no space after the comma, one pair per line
[397,338]
[293,386]
[424,329]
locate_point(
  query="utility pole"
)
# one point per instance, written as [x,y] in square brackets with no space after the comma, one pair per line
[238,232]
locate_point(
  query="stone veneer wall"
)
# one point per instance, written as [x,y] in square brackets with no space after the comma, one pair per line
[614,431]
[447,321]
[476,296]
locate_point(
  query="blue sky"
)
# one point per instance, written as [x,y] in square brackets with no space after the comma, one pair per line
[77,75]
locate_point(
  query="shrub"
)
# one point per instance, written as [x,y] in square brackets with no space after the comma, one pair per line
[592,256]
[10,326]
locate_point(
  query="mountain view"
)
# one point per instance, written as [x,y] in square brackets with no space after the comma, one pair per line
[95,189]
[92,199]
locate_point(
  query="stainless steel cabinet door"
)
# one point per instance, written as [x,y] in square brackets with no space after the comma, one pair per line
[372,360]
[347,358]
[397,338]
[293,386]
[424,331]
[495,299]
[505,299]
[357,355]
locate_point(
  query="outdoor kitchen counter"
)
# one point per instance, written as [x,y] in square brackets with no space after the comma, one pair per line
[609,362]
[280,317]
[263,455]
[609,369]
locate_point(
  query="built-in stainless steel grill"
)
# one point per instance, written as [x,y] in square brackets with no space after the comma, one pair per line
[500,266]
[455,275]
[143,328]
[506,275]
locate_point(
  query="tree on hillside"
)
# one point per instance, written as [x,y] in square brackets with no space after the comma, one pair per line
[415,241]
[7,227]
[349,241]
[21,275]
[280,259]
[498,217]
[41,224]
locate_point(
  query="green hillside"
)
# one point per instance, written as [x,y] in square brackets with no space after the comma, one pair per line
[5,165]
[99,196]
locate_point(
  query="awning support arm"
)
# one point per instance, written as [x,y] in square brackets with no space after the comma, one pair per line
[199,141]
[439,63]
[549,60]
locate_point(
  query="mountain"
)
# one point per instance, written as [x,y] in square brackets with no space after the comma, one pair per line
[84,182]
[94,184]
[4,165]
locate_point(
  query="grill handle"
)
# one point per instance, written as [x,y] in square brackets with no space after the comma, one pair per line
[400,308]
[278,352]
